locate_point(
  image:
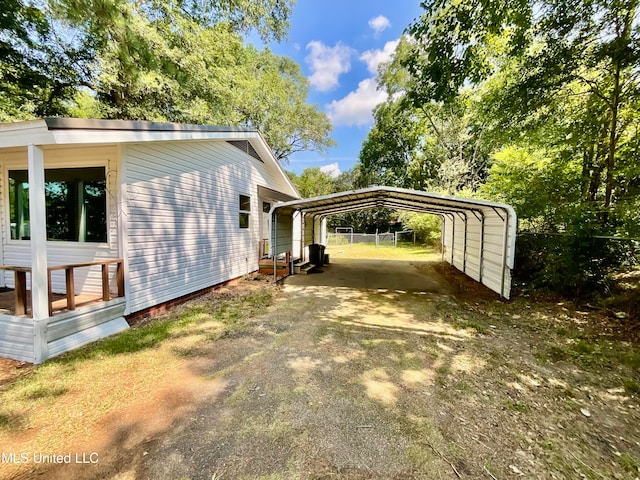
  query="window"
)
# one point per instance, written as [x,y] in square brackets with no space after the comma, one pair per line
[245,208]
[75,199]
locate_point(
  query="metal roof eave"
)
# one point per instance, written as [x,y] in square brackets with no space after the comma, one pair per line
[412,197]
[412,200]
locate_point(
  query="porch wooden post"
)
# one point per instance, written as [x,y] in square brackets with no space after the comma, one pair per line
[38,241]
[105,282]
[20,292]
[71,289]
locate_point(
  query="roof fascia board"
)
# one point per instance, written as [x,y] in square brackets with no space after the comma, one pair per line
[61,123]
[21,134]
[66,137]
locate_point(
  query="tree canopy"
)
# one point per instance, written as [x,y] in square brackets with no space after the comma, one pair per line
[518,99]
[180,61]
[535,103]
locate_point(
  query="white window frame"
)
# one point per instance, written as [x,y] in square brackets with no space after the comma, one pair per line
[17,163]
[244,212]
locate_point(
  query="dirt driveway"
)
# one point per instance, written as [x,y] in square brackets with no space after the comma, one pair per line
[322,392]
[393,369]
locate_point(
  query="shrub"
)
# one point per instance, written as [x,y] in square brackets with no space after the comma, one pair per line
[575,265]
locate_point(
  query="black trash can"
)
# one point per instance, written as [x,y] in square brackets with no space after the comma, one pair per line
[316,254]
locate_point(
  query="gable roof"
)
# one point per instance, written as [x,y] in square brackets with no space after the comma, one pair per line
[78,131]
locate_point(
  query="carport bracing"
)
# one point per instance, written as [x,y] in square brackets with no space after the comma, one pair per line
[478,237]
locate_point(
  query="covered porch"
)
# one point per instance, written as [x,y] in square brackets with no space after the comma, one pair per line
[59,292]
[74,319]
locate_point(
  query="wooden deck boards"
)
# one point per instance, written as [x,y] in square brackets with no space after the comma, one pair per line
[7,302]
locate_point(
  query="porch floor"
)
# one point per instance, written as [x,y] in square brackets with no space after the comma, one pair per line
[7,302]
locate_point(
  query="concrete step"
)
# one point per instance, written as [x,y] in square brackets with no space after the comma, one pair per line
[304,268]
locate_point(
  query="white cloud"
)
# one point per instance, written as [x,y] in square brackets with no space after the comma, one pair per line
[327,64]
[356,108]
[379,23]
[373,58]
[333,170]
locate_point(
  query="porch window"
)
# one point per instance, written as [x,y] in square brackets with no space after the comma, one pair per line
[245,208]
[76,204]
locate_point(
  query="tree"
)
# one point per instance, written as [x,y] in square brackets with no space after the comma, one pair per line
[36,71]
[163,61]
[585,49]
[434,147]
[272,96]
[313,182]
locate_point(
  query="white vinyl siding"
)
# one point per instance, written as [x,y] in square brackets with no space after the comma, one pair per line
[18,252]
[183,232]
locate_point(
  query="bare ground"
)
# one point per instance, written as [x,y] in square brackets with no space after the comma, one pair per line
[380,369]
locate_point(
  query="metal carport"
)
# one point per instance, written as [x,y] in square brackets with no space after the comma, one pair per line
[478,237]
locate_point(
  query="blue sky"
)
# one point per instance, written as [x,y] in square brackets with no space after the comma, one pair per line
[338,44]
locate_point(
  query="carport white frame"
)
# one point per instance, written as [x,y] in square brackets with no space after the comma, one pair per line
[491,225]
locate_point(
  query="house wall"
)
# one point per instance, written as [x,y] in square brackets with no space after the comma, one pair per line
[17,252]
[182,215]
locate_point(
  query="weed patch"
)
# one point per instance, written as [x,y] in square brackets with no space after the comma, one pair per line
[472,326]
[631,386]
[629,462]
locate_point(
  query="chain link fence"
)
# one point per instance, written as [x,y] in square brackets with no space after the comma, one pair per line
[387,238]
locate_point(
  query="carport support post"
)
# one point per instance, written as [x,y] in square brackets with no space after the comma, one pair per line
[442,234]
[38,245]
[275,247]
[481,266]
[464,251]
[453,239]
[302,227]
[504,252]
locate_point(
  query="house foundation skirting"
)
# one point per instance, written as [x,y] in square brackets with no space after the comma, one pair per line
[140,315]
[34,341]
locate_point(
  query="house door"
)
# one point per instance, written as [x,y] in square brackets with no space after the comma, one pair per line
[265,228]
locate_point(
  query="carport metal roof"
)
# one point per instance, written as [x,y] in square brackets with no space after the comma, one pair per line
[485,251]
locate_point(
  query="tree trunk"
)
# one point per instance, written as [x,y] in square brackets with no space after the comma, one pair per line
[623,42]
[613,140]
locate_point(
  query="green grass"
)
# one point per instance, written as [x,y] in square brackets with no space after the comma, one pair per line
[631,386]
[383,252]
[589,353]
[230,313]
[629,462]
[60,379]
[471,325]
[516,406]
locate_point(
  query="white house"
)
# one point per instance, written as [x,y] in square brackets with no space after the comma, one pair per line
[134,213]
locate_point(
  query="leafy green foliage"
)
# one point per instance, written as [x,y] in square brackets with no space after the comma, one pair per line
[160,61]
[428,228]
[313,182]
[37,74]
[565,79]
[577,265]
[540,188]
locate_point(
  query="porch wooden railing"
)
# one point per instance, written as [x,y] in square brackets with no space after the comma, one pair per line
[263,248]
[20,292]
[70,285]
[20,280]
